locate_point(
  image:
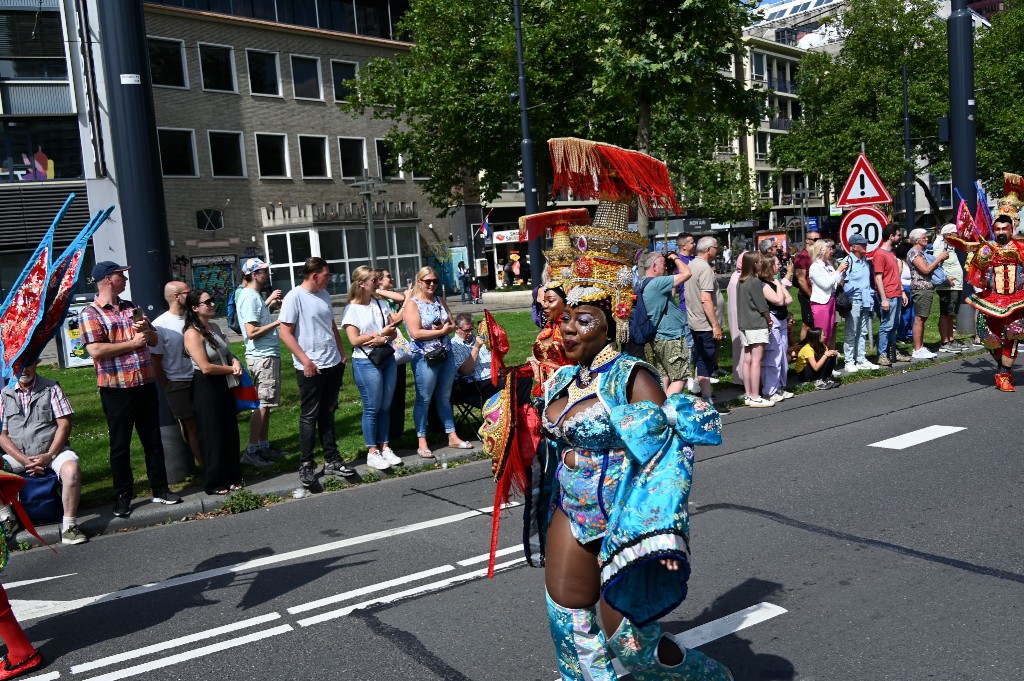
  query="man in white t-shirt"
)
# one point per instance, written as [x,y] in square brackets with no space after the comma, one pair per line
[309,331]
[173,367]
[262,355]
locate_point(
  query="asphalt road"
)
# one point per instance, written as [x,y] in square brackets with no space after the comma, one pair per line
[848,561]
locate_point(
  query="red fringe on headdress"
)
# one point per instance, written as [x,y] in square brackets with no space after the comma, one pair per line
[593,170]
[1013,184]
[533,226]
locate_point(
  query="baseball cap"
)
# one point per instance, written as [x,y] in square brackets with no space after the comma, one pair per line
[107,267]
[858,240]
[253,265]
[916,234]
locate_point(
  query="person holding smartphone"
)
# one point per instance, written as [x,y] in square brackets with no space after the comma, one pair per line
[367,324]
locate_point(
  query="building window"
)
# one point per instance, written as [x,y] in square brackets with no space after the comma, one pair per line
[352,152]
[39,150]
[313,157]
[264,73]
[32,45]
[272,155]
[387,160]
[167,63]
[340,72]
[288,252]
[217,66]
[306,78]
[177,152]
[758,69]
[227,154]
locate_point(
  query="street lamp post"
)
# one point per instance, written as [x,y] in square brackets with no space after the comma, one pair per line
[367,187]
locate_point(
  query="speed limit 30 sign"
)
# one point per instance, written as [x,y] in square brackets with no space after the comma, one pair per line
[866,221]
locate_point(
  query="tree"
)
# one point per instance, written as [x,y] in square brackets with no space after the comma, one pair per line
[999,71]
[621,72]
[856,95]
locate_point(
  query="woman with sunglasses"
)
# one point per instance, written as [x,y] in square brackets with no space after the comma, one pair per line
[430,324]
[215,372]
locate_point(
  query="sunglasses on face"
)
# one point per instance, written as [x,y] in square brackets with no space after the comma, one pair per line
[209,302]
[429,282]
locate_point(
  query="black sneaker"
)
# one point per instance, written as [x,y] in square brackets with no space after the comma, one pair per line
[338,468]
[122,507]
[307,475]
[167,498]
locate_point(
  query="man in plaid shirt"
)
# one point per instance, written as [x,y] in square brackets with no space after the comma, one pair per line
[118,336]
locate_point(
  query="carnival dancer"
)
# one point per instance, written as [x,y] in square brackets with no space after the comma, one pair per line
[616,550]
[993,268]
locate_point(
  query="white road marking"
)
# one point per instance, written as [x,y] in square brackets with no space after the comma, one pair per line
[917,437]
[484,556]
[68,606]
[390,598]
[192,654]
[173,643]
[26,582]
[716,629]
[355,593]
[48,676]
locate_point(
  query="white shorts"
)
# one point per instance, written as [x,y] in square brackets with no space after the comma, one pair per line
[754,336]
[60,460]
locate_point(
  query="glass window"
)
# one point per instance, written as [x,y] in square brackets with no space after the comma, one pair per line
[352,152]
[177,153]
[264,76]
[306,78]
[373,18]
[298,12]
[757,66]
[356,240]
[313,156]
[301,248]
[227,154]
[43,149]
[217,65]
[337,15]
[387,160]
[342,71]
[167,63]
[332,245]
[407,240]
[277,248]
[272,155]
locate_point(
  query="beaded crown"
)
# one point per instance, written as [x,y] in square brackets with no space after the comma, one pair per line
[561,255]
[1013,189]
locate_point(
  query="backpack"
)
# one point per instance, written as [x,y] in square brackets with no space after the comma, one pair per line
[641,329]
[233,313]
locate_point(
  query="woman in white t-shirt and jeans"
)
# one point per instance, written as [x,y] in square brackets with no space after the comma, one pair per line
[366,323]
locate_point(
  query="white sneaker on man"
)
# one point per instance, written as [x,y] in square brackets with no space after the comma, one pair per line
[852,367]
[922,353]
[377,460]
[868,366]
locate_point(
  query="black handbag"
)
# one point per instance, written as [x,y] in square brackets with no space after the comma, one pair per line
[843,304]
[436,356]
[380,354]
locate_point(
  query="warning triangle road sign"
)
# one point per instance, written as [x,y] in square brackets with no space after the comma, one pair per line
[864,188]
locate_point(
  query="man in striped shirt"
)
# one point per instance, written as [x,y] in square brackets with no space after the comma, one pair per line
[118,336]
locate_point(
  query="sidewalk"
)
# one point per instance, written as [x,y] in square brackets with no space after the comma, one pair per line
[194,500]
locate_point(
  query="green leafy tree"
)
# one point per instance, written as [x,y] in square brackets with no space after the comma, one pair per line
[640,76]
[999,71]
[856,95]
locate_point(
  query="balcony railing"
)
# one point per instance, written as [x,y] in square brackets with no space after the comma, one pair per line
[779,123]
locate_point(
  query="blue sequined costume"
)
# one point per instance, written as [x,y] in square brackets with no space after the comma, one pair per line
[630,485]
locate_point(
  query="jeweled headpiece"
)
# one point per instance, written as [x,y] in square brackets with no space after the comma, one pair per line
[562,254]
[608,250]
[1013,189]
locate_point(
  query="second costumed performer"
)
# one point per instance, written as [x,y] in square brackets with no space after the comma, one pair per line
[616,554]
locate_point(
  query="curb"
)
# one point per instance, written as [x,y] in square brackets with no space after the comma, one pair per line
[101,521]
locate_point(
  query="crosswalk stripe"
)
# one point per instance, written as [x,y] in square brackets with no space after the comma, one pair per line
[917,437]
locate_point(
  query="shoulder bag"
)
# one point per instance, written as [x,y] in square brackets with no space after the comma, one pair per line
[380,354]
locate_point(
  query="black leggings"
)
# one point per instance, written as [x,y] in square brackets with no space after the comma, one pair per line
[809,374]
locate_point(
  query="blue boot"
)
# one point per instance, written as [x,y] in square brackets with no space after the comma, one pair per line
[579,643]
[637,649]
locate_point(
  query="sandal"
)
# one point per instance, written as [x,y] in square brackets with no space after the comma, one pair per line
[463,445]
[236,488]
[425,453]
[219,492]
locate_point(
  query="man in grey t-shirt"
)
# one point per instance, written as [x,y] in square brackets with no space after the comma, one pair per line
[262,356]
[702,293]
[309,331]
[172,365]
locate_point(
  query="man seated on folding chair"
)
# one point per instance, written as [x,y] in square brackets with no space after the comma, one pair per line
[473,364]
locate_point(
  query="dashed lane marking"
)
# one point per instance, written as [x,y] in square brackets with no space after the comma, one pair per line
[917,437]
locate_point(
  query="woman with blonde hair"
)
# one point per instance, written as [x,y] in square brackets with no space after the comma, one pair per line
[366,322]
[824,279]
[430,324]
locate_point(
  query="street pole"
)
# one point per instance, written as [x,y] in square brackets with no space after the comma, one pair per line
[960,34]
[909,195]
[367,187]
[529,171]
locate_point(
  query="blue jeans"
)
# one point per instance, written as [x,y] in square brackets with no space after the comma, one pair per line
[905,322]
[855,338]
[376,388]
[430,380]
[464,286]
[887,327]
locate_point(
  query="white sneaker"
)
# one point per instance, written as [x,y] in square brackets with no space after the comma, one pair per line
[377,460]
[923,353]
[392,458]
[786,394]
[868,366]
[776,398]
[836,373]
[852,368]
[757,402]
[713,380]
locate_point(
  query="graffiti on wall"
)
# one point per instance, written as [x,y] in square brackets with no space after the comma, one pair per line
[215,274]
